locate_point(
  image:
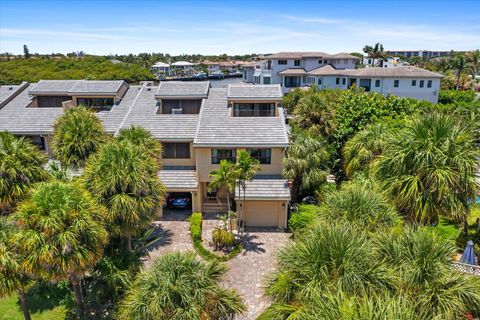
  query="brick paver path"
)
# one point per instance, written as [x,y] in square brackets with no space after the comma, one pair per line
[247,270]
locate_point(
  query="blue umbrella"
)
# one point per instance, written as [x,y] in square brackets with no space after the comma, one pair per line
[468,255]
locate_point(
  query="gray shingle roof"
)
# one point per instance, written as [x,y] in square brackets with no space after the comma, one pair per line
[166,127]
[17,118]
[97,87]
[293,72]
[254,92]
[264,189]
[217,128]
[7,93]
[179,179]
[324,70]
[75,87]
[376,72]
[169,89]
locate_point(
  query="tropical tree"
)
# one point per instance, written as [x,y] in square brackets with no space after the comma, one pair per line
[473,64]
[21,165]
[180,286]
[61,233]
[245,170]
[124,178]
[78,134]
[429,168]
[141,137]
[360,151]
[224,177]
[375,52]
[458,62]
[13,278]
[306,164]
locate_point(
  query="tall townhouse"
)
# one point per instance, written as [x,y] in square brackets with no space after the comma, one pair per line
[197,125]
[337,71]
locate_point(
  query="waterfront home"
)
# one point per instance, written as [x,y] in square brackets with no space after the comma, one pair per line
[184,68]
[197,125]
[161,69]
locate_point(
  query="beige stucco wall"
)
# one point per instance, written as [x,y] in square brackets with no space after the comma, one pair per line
[264,213]
[205,166]
[181,162]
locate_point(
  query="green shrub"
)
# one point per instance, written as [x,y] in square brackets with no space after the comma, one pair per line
[222,238]
[455,96]
[304,215]
[196,234]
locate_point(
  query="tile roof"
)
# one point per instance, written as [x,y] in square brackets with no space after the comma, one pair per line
[17,118]
[168,89]
[293,72]
[217,128]
[300,55]
[264,189]
[75,87]
[264,92]
[7,93]
[179,179]
[376,72]
[174,127]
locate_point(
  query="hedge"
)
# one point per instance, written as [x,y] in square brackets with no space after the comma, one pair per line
[196,220]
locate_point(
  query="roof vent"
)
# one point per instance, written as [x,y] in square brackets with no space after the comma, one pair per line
[177,110]
[10,88]
[149,89]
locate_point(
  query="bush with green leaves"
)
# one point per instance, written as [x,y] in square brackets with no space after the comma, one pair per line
[222,238]
[456,96]
[303,216]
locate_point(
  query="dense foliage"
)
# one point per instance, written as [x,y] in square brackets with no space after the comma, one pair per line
[89,68]
[21,165]
[77,134]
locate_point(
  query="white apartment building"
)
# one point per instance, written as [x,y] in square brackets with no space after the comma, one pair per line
[337,71]
[390,62]
[161,69]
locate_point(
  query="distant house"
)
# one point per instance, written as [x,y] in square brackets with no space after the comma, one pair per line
[161,69]
[212,66]
[427,54]
[115,61]
[185,67]
[384,63]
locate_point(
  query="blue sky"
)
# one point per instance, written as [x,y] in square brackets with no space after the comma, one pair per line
[216,27]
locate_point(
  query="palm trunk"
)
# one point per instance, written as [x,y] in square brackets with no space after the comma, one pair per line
[78,294]
[458,80]
[24,303]
[128,241]
[228,200]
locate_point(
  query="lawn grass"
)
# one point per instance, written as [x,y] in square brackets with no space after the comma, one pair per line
[10,310]
[447,229]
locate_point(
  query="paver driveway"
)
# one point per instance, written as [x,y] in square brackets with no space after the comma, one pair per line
[247,270]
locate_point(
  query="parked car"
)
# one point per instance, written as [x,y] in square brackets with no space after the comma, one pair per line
[179,200]
[200,76]
[217,75]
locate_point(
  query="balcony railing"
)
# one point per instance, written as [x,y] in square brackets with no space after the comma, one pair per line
[467,268]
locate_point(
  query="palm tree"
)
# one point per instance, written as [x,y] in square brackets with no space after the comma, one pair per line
[180,286]
[78,133]
[421,262]
[245,168]
[306,164]
[21,165]
[124,178]
[429,168]
[224,177]
[13,279]
[141,137]
[458,63]
[473,64]
[362,149]
[375,52]
[61,233]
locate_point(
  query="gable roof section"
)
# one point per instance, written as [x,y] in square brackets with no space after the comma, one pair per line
[179,179]
[264,189]
[180,89]
[58,87]
[166,127]
[293,72]
[376,72]
[217,128]
[271,92]
[77,87]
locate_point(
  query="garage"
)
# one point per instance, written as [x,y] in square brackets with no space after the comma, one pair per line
[182,196]
[264,204]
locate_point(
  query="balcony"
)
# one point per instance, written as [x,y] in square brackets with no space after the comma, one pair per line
[263,73]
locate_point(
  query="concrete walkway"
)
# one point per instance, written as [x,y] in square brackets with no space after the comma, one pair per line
[247,270]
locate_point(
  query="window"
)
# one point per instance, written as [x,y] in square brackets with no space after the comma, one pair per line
[422,83]
[266,80]
[345,61]
[296,63]
[51,101]
[344,80]
[320,61]
[176,150]
[414,83]
[429,83]
[223,154]
[325,61]
[283,62]
[396,83]
[319,81]
[38,141]
[292,81]
[377,83]
[337,80]
[99,104]
[254,110]
[262,155]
